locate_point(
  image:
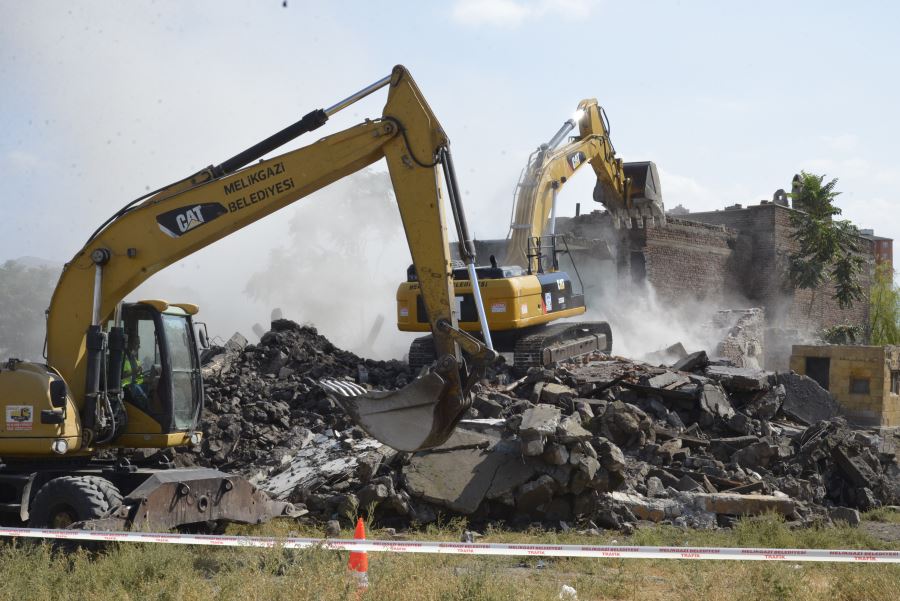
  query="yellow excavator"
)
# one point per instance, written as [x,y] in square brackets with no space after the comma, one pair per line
[126,374]
[527,293]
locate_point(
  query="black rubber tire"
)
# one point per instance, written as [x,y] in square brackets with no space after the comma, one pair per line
[68,499]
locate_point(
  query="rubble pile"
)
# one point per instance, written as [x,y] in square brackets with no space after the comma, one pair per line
[263,403]
[604,442]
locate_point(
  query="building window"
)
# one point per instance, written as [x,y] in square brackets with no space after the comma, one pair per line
[859,385]
[895,382]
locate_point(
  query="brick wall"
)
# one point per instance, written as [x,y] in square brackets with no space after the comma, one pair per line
[763,250]
[684,261]
[687,261]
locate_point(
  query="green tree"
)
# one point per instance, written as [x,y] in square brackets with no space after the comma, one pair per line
[24,296]
[828,247]
[884,307]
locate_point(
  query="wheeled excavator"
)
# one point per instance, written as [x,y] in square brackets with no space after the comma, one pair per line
[527,294]
[122,375]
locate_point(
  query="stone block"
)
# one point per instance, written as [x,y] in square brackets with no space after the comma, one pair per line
[539,421]
[654,510]
[805,400]
[734,504]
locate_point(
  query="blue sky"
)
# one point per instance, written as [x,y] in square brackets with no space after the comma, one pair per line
[103,101]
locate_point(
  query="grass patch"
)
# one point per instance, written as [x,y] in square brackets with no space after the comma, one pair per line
[173,572]
[883,514]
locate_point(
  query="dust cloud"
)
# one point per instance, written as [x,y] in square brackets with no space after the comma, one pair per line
[642,322]
[340,265]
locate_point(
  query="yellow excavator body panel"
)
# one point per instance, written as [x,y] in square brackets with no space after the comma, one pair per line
[511,303]
[24,395]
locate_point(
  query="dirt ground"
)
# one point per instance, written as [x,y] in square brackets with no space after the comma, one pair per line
[886,531]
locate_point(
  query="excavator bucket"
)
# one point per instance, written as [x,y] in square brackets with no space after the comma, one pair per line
[419,416]
[645,203]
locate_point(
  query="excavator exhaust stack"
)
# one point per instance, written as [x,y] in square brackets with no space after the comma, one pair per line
[418,416]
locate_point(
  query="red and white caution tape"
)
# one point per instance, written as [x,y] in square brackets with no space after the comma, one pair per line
[512,549]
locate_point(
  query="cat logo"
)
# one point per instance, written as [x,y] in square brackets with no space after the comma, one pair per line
[182,220]
[575,160]
[189,219]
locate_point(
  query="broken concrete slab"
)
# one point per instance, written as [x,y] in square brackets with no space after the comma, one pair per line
[539,421]
[714,401]
[695,361]
[804,400]
[667,380]
[847,515]
[460,478]
[553,393]
[752,504]
[645,508]
[855,468]
[687,484]
[738,379]
[570,430]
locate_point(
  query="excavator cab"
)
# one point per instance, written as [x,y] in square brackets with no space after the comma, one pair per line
[161,366]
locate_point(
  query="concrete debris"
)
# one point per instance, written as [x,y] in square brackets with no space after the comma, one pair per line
[599,443]
[804,400]
[847,515]
[693,362]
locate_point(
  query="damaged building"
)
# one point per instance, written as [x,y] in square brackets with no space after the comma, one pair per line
[865,380]
[736,257]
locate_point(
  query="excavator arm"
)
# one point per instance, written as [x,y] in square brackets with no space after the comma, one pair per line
[170,224]
[629,191]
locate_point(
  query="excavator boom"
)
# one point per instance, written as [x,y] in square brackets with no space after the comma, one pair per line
[629,191]
[191,214]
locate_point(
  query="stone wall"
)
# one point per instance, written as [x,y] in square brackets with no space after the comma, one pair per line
[762,259]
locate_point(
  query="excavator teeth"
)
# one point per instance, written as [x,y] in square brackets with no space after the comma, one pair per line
[342,387]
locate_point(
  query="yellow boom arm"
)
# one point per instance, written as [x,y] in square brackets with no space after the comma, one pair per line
[195,212]
[551,166]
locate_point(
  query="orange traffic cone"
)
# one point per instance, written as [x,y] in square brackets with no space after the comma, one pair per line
[359,560]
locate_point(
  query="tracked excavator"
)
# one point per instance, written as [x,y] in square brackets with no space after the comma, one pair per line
[124,375]
[527,294]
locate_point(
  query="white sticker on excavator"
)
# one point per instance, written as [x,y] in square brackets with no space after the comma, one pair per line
[548,301]
[524,309]
[498,307]
[19,417]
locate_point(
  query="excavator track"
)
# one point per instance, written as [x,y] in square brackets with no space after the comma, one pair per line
[558,342]
[543,347]
[421,353]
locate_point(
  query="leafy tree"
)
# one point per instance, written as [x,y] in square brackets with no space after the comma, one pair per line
[24,296]
[842,334]
[828,247]
[884,307]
